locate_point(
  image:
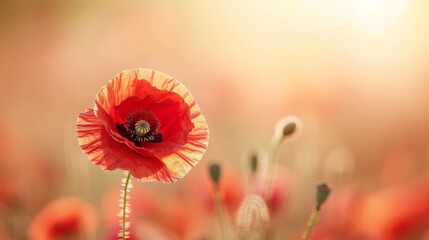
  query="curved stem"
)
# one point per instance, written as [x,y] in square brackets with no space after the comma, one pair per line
[272,160]
[124,205]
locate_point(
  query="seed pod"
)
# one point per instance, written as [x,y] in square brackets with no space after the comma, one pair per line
[142,127]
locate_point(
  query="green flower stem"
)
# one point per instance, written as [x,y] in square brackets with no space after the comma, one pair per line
[310,224]
[124,210]
[272,160]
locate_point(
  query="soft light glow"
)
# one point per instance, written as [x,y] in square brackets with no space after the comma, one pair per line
[375,16]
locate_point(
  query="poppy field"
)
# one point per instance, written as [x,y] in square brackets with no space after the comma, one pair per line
[214,120]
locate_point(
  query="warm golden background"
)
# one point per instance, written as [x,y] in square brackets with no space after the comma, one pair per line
[355,71]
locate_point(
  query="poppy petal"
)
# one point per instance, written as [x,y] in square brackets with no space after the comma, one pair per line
[188,155]
[109,154]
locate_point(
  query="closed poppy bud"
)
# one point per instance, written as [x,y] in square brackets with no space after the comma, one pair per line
[287,128]
[322,193]
[253,163]
[145,122]
[215,172]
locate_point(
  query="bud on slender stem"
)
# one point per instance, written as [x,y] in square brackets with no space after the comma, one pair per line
[322,193]
[286,129]
[215,172]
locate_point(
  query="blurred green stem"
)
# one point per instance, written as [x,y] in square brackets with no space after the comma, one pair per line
[310,224]
[272,160]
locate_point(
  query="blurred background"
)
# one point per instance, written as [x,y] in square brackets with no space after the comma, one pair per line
[356,72]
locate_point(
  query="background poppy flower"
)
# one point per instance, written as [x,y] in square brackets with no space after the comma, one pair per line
[64,217]
[27,175]
[144,122]
[231,185]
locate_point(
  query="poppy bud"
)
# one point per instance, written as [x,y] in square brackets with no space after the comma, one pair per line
[253,163]
[215,171]
[287,128]
[252,218]
[322,193]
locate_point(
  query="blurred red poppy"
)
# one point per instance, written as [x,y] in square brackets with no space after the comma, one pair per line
[231,185]
[145,122]
[395,212]
[27,175]
[62,218]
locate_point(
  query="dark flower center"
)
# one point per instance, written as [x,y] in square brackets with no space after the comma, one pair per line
[139,127]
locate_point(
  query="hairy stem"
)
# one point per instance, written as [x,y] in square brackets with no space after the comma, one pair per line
[310,224]
[125,206]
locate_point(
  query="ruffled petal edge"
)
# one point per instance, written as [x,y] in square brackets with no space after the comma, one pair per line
[107,153]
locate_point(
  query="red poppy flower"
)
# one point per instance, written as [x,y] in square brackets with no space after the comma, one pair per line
[62,218]
[395,213]
[145,122]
